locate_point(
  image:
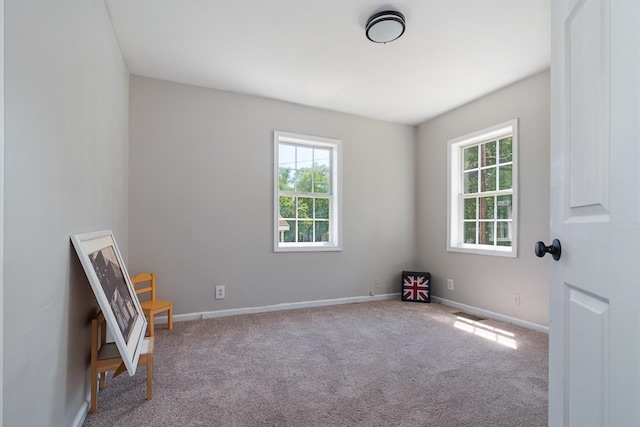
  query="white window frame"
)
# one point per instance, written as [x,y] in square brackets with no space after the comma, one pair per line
[455,205]
[335,212]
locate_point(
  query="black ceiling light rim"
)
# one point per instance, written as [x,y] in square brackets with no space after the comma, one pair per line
[387,15]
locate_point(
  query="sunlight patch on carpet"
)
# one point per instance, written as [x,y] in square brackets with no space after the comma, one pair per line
[469,316]
[487,332]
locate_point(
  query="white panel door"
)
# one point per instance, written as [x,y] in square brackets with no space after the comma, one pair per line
[594,350]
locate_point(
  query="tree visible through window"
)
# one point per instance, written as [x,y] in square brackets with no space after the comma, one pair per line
[482,190]
[306,188]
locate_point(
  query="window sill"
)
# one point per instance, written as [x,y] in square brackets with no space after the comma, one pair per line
[307,248]
[508,252]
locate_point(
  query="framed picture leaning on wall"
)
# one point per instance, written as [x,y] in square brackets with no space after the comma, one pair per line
[108,277]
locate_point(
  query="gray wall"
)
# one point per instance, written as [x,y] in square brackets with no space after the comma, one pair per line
[66,166]
[201,199]
[482,281]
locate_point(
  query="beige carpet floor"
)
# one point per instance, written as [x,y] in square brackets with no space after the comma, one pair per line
[386,363]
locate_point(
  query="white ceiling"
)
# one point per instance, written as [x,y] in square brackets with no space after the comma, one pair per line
[314,52]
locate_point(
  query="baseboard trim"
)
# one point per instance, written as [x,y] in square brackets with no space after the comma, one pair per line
[276,307]
[349,300]
[82,414]
[493,315]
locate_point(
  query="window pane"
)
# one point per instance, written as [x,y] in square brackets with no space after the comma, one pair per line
[322,170]
[485,234]
[471,157]
[305,231]
[504,233]
[505,150]
[305,207]
[470,182]
[322,231]
[488,154]
[305,158]
[504,207]
[321,157]
[488,179]
[322,208]
[288,233]
[470,232]
[286,179]
[321,180]
[286,207]
[470,208]
[304,179]
[286,156]
[506,180]
[486,208]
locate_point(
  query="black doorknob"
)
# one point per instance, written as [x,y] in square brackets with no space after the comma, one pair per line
[555,249]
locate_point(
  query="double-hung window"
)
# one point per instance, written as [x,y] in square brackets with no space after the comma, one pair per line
[307,193]
[483,196]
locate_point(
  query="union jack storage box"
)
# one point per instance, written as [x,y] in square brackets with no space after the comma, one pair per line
[416,286]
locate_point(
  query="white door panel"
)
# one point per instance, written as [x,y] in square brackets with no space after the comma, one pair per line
[594,352]
[587,108]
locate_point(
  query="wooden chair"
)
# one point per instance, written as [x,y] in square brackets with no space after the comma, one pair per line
[105,357]
[152,306]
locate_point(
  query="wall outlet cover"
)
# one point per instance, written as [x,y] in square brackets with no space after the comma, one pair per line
[220,292]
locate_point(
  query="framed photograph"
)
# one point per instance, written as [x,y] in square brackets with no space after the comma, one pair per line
[107,274]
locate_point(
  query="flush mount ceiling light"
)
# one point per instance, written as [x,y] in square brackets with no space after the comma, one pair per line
[385,27]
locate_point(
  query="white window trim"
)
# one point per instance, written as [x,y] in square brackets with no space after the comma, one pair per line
[454,189]
[335,214]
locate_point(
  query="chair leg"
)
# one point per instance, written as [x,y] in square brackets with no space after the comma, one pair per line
[170,317]
[149,376]
[151,322]
[94,390]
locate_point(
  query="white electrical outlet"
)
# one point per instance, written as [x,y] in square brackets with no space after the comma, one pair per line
[516,299]
[219,292]
[450,284]
[376,284]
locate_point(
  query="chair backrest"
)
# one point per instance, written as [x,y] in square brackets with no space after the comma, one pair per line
[149,278]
